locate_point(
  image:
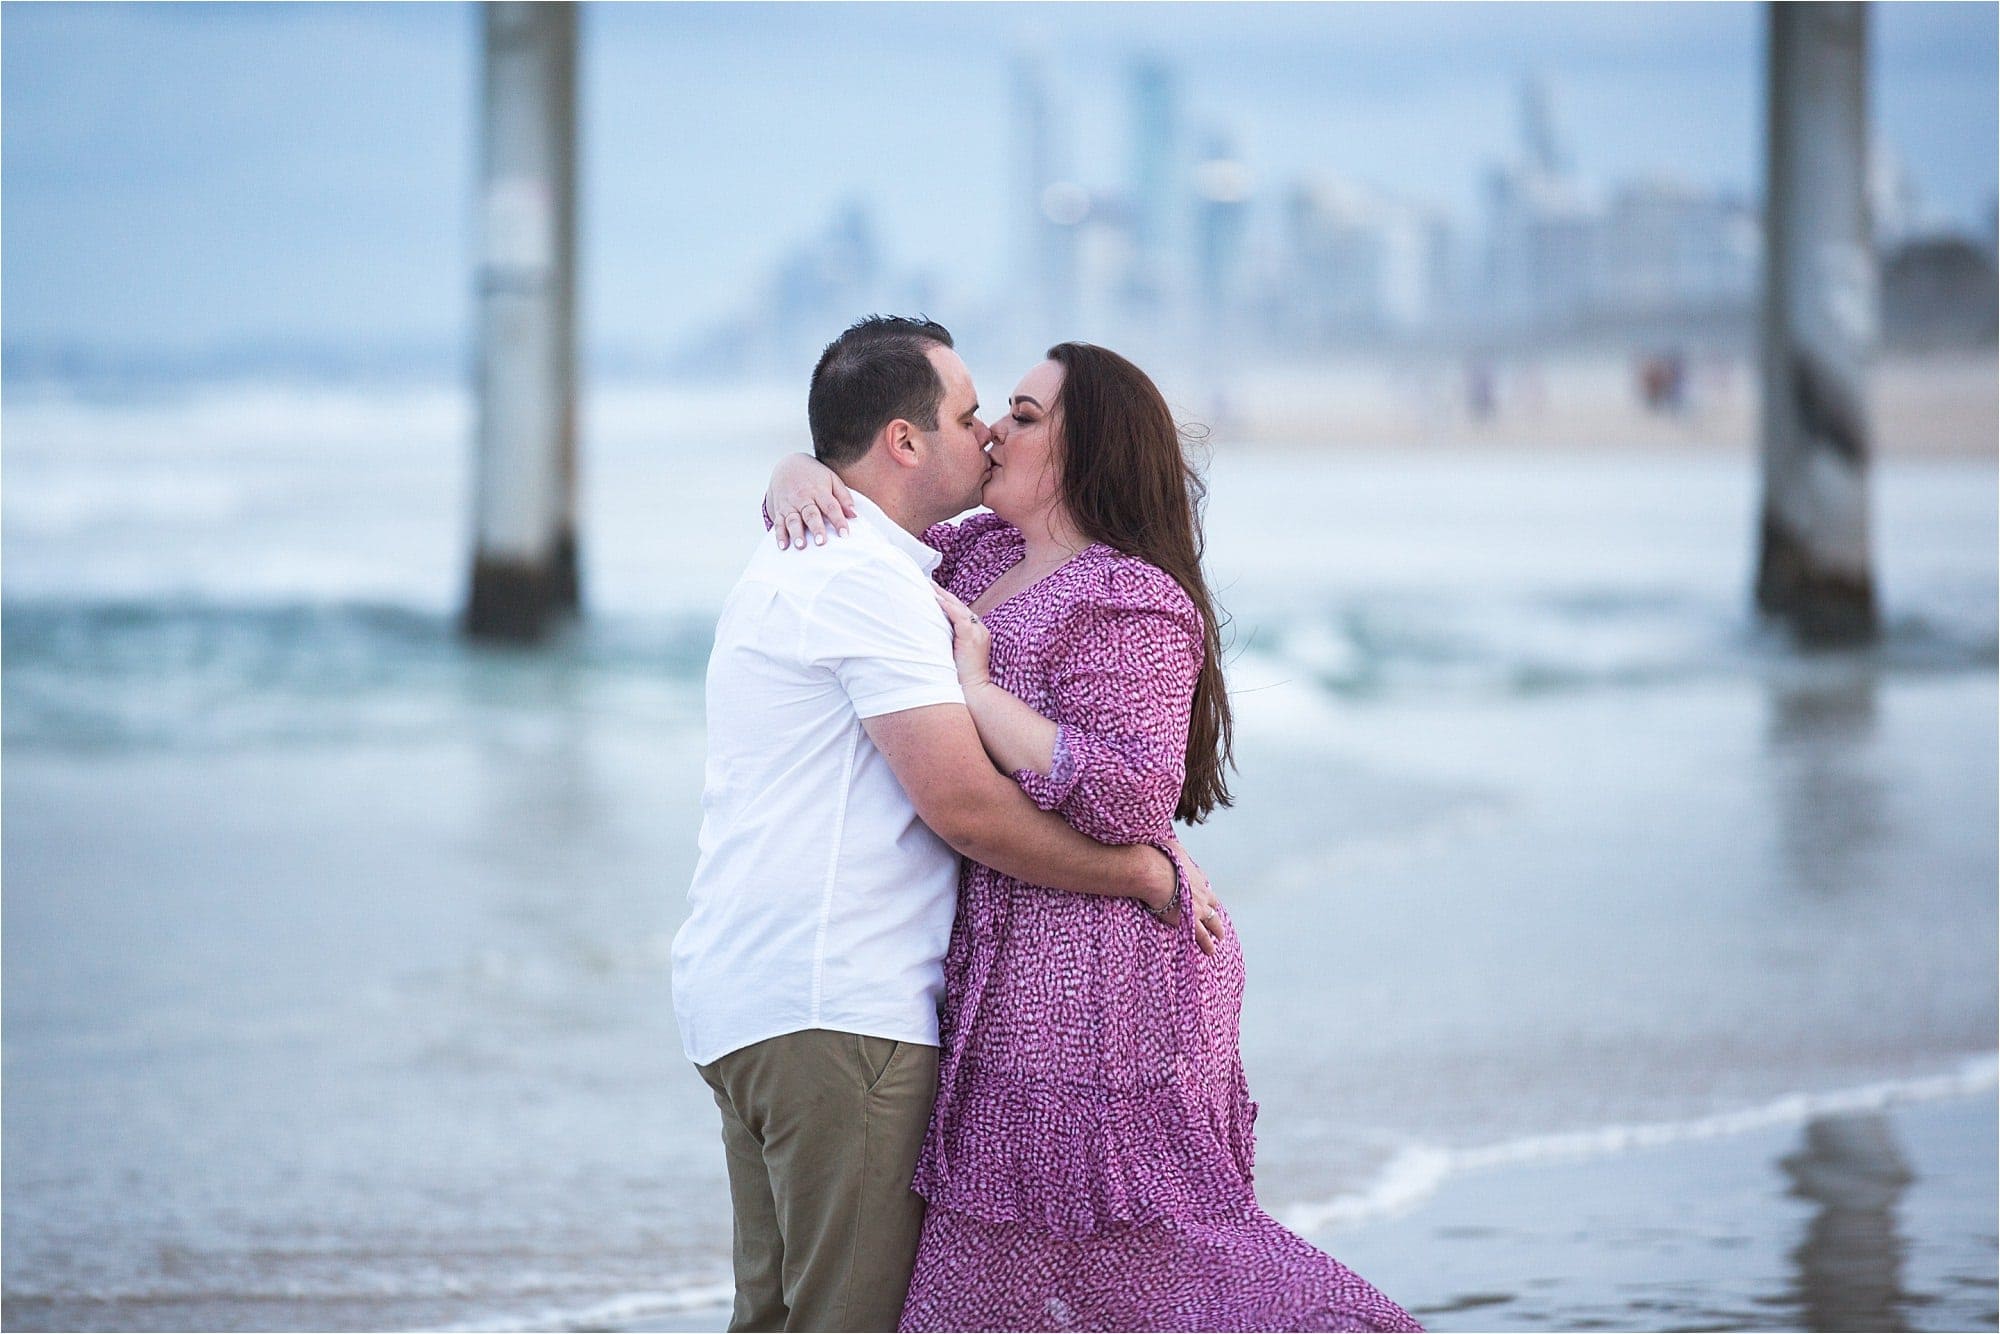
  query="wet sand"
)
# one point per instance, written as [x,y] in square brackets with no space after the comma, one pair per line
[1863,1221]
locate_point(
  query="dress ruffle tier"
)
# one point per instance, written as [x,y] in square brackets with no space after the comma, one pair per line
[1084,1161]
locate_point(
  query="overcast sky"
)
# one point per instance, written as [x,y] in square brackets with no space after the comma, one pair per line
[186,177]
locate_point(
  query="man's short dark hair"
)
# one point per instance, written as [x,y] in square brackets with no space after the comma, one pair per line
[877,371]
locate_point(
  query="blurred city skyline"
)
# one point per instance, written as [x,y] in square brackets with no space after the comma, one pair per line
[752,175]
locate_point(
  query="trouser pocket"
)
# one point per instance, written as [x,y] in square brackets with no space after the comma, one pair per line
[877,1056]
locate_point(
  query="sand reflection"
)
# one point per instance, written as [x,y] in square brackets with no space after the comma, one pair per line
[1831,803]
[1850,1265]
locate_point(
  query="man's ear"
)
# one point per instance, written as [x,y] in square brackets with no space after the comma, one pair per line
[901,440]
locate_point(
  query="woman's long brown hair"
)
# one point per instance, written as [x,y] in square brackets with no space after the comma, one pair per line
[1129,485]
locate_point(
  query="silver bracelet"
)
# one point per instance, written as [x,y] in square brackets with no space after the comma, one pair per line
[1175,901]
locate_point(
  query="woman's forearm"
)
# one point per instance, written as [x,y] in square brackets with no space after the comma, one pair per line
[1015,736]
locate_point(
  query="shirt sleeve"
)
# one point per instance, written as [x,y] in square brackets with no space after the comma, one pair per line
[1122,678]
[953,540]
[884,638]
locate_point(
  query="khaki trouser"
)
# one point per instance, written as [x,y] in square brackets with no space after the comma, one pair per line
[822,1131]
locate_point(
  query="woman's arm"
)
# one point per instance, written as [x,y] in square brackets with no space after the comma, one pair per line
[1015,736]
[1122,677]
[804,497]
[1117,788]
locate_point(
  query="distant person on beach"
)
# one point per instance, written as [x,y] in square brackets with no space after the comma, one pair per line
[1088,1161]
[844,778]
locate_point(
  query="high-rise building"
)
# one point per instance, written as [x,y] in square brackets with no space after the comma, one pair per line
[1542,256]
[824,283]
[1560,255]
[1359,264]
[1895,208]
[1222,204]
[1542,229]
[1542,146]
[1670,246]
[1029,169]
[1049,206]
[1104,262]
[1157,199]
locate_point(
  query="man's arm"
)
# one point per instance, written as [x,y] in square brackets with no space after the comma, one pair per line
[984,815]
[936,755]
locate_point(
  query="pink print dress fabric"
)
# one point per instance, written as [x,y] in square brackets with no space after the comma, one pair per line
[1088,1164]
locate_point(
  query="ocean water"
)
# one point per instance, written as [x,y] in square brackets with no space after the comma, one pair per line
[336,950]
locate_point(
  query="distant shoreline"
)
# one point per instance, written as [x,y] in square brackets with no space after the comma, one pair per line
[1942,404]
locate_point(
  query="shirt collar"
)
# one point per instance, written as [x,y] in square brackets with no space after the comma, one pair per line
[925,557]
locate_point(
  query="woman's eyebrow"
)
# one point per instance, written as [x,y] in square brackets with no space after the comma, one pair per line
[1023,398]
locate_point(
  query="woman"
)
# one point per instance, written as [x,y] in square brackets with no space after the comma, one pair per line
[1088,1164]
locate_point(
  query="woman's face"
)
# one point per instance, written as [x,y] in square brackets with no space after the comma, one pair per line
[1027,449]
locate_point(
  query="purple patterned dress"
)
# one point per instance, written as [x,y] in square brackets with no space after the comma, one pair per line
[1088,1163]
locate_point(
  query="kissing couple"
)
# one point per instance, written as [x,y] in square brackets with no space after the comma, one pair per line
[968,1010]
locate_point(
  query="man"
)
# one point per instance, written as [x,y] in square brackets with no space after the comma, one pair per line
[844,778]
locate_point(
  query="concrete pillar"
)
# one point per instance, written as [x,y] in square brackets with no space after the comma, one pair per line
[524,563]
[1814,570]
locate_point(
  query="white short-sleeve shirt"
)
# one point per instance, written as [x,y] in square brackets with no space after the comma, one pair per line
[819,899]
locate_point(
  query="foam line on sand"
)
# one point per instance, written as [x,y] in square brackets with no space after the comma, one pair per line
[1415,1174]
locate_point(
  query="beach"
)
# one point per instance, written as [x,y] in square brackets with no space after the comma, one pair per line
[1930,404]
[1576,905]
[1858,1220]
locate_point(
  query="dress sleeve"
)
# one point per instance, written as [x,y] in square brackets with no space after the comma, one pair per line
[1121,679]
[953,540]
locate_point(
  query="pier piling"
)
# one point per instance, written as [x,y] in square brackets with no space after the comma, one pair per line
[524,563]
[1814,571]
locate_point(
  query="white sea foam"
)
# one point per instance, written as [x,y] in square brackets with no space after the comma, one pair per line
[1415,1173]
[624,1309]
[53,506]
[1272,697]
[294,419]
[273,418]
